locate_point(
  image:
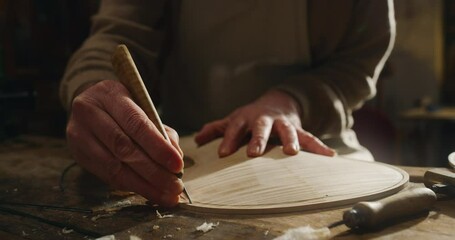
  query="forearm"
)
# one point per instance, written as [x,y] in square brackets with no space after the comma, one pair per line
[341,83]
[118,21]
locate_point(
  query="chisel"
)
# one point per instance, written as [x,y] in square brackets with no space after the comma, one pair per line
[127,72]
[373,214]
[439,182]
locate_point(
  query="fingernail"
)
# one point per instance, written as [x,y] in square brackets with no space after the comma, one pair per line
[296,147]
[255,151]
[291,149]
[223,152]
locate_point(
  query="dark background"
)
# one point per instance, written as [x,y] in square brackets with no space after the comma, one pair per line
[37,38]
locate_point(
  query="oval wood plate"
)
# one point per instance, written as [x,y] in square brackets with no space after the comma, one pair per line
[277,183]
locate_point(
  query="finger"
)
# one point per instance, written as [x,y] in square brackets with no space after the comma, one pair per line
[211,131]
[312,144]
[90,153]
[106,130]
[235,132]
[174,137]
[138,127]
[260,134]
[288,136]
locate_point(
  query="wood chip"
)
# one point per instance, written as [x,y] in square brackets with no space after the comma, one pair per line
[158,214]
[67,230]
[108,237]
[134,237]
[205,227]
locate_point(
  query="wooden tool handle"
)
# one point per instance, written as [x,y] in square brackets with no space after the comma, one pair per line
[373,214]
[126,71]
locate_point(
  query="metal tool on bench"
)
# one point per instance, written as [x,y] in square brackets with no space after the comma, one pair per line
[438,182]
[441,181]
[373,214]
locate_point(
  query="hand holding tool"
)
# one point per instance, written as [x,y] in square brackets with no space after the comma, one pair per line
[128,74]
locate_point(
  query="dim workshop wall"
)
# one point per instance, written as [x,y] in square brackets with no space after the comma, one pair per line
[416,63]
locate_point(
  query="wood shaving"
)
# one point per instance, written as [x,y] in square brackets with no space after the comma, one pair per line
[134,237]
[115,206]
[158,214]
[155,227]
[110,214]
[67,230]
[108,237]
[168,236]
[305,233]
[119,193]
[205,227]
[178,229]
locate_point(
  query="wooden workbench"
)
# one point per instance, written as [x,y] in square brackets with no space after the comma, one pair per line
[31,170]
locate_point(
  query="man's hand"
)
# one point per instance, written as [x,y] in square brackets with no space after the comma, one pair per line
[111,137]
[275,113]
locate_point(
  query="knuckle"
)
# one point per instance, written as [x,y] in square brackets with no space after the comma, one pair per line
[136,123]
[108,86]
[262,122]
[123,147]
[283,123]
[173,135]
[79,106]
[72,131]
[83,106]
[258,140]
[237,124]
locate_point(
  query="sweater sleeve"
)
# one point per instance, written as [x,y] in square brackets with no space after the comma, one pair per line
[130,22]
[331,90]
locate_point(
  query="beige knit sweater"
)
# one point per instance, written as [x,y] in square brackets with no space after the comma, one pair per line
[204,58]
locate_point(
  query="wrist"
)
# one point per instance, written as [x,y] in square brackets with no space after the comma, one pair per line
[282,98]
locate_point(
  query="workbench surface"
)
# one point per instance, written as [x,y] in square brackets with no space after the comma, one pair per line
[31,170]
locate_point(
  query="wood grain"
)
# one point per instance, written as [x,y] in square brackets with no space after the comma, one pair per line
[276,183]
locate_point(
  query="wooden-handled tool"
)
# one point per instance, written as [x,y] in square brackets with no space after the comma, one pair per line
[439,182]
[375,213]
[127,72]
